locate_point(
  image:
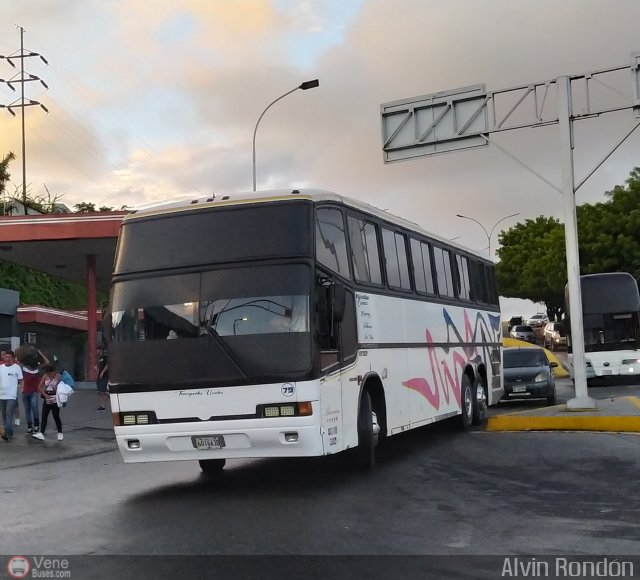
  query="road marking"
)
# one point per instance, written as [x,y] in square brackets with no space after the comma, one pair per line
[634,401]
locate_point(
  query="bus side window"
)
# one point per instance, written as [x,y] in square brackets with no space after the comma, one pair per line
[349,329]
[327,329]
[331,241]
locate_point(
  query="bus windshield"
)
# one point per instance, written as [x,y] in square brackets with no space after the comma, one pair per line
[611,312]
[611,331]
[240,323]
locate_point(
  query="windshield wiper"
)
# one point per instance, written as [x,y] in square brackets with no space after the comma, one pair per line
[211,332]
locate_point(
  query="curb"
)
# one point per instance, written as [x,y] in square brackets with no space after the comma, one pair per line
[563,420]
[588,423]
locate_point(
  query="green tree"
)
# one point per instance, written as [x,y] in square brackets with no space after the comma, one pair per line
[4,171]
[85,207]
[532,263]
[89,207]
[40,288]
[609,232]
[532,257]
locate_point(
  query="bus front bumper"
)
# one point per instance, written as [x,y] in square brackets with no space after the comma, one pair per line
[181,441]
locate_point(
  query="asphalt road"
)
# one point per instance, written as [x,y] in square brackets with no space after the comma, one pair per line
[434,491]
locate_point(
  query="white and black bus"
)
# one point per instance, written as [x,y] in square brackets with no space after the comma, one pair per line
[611,325]
[292,323]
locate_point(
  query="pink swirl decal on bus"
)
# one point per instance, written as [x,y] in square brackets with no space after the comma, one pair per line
[447,384]
[447,373]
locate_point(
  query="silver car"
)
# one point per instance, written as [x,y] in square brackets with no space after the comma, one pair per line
[554,335]
[523,332]
[537,320]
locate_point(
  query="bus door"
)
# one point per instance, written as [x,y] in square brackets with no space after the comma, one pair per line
[338,348]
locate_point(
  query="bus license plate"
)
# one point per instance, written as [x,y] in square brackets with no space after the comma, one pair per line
[519,388]
[208,442]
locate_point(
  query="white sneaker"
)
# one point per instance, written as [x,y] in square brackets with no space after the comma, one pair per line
[16,422]
[60,436]
[39,436]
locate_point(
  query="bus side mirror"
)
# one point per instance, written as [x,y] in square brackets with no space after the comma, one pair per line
[339,300]
[106,325]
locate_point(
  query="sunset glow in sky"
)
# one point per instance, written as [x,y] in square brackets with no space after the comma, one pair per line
[157,98]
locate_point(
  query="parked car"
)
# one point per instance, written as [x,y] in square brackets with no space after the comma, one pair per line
[528,374]
[514,321]
[537,320]
[555,335]
[523,332]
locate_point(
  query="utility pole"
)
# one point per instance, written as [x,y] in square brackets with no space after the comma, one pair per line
[464,118]
[21,78]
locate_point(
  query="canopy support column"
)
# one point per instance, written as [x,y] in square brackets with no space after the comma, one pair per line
[91,317]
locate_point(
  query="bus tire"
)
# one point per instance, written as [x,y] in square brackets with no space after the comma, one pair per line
[212,467]
[479,402]
[367,436]
[466,403]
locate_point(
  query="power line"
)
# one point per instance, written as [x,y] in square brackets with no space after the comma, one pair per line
[21,79]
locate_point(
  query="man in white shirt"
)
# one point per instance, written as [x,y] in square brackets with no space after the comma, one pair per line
[10,384]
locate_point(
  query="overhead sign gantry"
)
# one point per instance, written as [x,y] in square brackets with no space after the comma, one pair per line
[464,118]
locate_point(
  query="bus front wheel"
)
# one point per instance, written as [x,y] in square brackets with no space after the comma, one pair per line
[368,430]
[212,466]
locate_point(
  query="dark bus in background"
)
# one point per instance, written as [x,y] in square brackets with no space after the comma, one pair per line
[611,320]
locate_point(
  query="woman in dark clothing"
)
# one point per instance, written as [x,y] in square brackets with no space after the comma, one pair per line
[48,388]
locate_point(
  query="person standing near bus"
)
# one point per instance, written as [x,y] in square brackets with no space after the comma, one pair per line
[31,392]
[16,411]
[48,388]
[10,385]
[102,379]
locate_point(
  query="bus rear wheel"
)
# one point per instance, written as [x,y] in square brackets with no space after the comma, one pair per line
[466,402]
[368,430]
[212,467]
[479,402]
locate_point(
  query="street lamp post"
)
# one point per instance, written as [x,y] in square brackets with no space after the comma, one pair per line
[243,319]
[488,234]
[304,86]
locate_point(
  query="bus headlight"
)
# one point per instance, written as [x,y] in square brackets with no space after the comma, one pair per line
[286,410]
[137,418]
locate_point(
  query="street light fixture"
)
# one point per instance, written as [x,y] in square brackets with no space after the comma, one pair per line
[488,234]
[243,319]
[304,86]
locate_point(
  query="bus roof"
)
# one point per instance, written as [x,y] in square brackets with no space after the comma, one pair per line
[608,292]
[197,202]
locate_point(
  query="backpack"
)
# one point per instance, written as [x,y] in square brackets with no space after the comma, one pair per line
[65,377]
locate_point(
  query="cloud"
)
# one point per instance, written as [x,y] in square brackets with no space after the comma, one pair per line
[152,101]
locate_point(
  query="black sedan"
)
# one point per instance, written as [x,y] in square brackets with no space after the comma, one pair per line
[528,374]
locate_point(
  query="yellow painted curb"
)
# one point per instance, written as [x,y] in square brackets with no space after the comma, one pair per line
[564,423]
[559,372]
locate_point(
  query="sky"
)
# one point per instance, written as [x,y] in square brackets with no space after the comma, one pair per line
[153,99]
